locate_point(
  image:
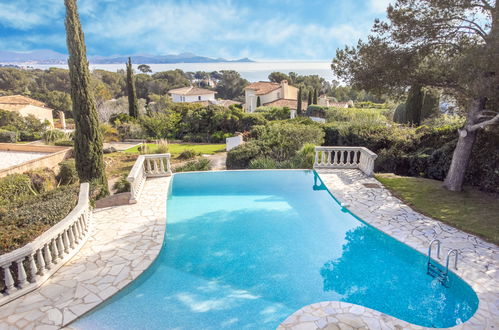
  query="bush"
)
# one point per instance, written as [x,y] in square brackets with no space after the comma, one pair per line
[42,180]
[263,163]
[67,172]
[29,136]
[240,156]
[219,136]
[122,185]
[50,136]
[64,143]
[187,154]
[195,165]
[29,218]
[120,118]
[14,188]
[109,133]
[161,147]
[8,136]
[131,131]
[274,113]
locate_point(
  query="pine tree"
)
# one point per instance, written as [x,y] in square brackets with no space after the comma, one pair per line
[258,102]
[298,106]
[133,106]
[315,96]
[310,97]
[88,140]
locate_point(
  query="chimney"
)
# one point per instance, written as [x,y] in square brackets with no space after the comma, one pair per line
[284,89]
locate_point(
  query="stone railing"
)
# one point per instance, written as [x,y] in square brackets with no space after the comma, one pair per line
[147,166]
[345,157]
[26,268]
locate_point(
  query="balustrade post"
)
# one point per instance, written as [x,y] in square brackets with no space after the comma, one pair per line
[48,256]
[56,251]
[33,270]
[60,246]
[41,262]
[8,279]
[21,273]
[316,159]
[65,241]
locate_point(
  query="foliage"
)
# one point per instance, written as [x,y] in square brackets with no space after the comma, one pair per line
[274,113]
[88,140]
[122,185]
[131,130]
[161,147]
[133,107]
[241,156]
[30,217]
[195,165]
[14,187]
[53,135]
[187,154]
[109,133]
[8,136]
[42,180]
[231,85]
[64,143]
[161,125]
[67,172]
[144,68]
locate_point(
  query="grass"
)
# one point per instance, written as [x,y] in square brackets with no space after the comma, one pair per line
[472,211]
[176,148]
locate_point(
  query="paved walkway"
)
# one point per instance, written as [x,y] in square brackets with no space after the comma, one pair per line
[478,260]
[124,242]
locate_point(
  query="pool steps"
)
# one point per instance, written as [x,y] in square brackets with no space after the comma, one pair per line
[434,270]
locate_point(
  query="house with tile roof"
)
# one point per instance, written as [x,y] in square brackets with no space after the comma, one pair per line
[271,94]
[27,106]
[191,94]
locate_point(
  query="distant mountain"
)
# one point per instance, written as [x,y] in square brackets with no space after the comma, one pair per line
[51,57]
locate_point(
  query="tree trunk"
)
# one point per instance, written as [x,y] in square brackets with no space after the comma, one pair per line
[462,154]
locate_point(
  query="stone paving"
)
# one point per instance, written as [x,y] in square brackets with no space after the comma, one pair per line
[125,240]
[478,260]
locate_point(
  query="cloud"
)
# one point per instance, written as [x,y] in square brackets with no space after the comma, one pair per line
[20,15]
[379,6]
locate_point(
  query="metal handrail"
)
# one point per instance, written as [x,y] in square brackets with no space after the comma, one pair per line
[438,248]
[456,253]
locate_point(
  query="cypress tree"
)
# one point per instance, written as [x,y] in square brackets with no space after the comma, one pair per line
[315,96]
[258,102]
[298,106]
[309,97]
[133,106]
[88,140]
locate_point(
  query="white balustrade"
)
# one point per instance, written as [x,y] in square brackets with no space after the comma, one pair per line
[345,157]
[28,267]
[146,166]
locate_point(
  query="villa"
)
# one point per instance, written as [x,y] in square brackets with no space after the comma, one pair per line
[27,106]
[191,94]
[327,101]
[271,94]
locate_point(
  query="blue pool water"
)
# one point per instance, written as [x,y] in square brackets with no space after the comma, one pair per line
[245,249]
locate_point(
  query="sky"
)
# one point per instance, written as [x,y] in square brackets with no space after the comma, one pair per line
[258,29]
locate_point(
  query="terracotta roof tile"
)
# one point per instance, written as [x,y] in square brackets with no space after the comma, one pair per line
[263,87]
[292,104]
[20,100]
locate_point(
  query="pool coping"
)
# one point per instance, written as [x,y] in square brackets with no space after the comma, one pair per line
[390,215]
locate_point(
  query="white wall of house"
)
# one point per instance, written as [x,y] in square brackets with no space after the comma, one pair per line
[40,113]
[176,98]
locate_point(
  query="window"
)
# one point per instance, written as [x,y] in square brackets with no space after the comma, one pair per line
[199,98]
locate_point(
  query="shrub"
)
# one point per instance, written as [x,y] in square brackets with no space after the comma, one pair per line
[263,163]
[29,136]
[305,157]
[109,133]
[161,147]
[219,136]
[240,156]
[131,131]
[161,125]
[195,165]
[8,136]
[67,172]
[50,136]
[120,118]
[316,111]
[42,180]
[187,154]
[14,187]
[64,143]
[29,218]
[274,113]
[122,185]
[281,141]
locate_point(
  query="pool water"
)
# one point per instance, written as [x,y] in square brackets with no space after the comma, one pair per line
[245,249]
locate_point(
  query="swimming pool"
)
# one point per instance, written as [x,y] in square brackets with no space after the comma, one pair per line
[245,249]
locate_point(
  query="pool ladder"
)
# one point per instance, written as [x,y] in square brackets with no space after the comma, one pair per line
[434,270]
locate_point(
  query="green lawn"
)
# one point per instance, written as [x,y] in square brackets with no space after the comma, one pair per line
[176,148]
[472,211]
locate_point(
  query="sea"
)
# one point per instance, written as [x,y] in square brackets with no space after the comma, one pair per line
[252,71]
